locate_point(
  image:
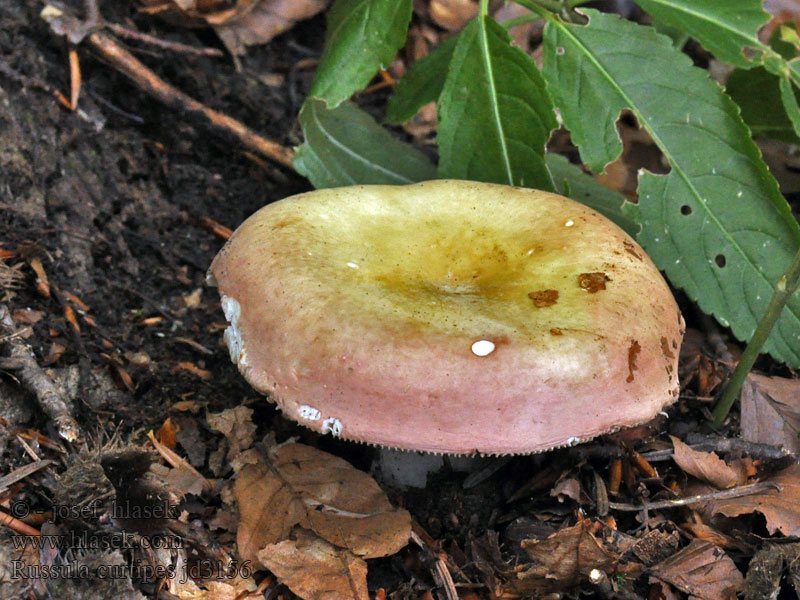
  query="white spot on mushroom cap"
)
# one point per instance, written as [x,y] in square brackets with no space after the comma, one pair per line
[569,223]
[352,265]
[308,412]
[333,426]
[233,335]
[483,348]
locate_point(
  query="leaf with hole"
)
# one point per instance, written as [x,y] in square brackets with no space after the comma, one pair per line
[727,29]
[571,181]
[345,146]
[495,115]
[716,223]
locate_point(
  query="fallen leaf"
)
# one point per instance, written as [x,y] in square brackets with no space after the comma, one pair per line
[656,545]
[236,424]
[299,485]
[771,411]
[768,567]
[238,24]
[780,508]
[27,316]
[702,570]
[264,20]
[193,299]
[706,466]
[569,487]
[452,14]
[662,591]
[166,434]
[316,570]
[563,560]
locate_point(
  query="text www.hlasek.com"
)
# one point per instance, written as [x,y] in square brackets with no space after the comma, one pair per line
[86,541]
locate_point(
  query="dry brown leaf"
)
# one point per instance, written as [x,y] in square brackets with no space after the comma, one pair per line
[563,560]
[770,565]
[706,466]
[241,23]
[771,411]
[702,570]
[662,591]
[265,20]
[316,570]
[236,424]
[780,508]
[452,14]
[304,486]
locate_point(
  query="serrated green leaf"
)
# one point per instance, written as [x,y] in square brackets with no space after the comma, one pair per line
[571,181]
[758,94]
[716,223]
[494,113]
[363,36]
[345,146]
[724,27]
[789,101]
[422,83]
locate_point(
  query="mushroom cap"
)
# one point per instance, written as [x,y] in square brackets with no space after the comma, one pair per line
[449,316]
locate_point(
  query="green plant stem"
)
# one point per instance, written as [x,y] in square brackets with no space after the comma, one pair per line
[520,20]
[554,6]
[483,8]
[786,286]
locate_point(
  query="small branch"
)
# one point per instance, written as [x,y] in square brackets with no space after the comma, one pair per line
[737,492]
[159,43]
[152,84]
[786,286]
[31,374]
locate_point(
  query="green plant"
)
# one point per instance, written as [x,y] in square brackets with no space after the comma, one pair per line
[716,224]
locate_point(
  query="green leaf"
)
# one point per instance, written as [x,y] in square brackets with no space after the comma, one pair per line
[757,93]
[345,146]
[494,112]
[363,36]
[570,180]
[724,27]
[789,101]
[422,83]
[716,223]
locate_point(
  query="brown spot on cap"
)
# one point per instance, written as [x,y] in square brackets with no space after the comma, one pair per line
[592,282]
[630,248]
[556,331]
[544,298]
[665,348]
[633,353]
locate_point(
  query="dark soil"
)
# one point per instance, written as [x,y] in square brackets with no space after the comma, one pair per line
[114,200]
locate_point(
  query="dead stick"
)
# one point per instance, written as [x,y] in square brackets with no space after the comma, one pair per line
[742,490]
[152,84]
[34,377]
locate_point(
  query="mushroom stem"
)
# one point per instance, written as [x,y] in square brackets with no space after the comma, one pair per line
[404,469]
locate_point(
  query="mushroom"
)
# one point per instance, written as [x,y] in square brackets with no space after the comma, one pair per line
[450,317]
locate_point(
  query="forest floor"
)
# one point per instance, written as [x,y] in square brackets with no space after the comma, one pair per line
[109,219]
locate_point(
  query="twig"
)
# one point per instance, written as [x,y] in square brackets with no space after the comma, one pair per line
[124,32]
[742,490]
[786,286]
[17,525]
[723,445]
[127,64]
[7,481]
[31,374]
